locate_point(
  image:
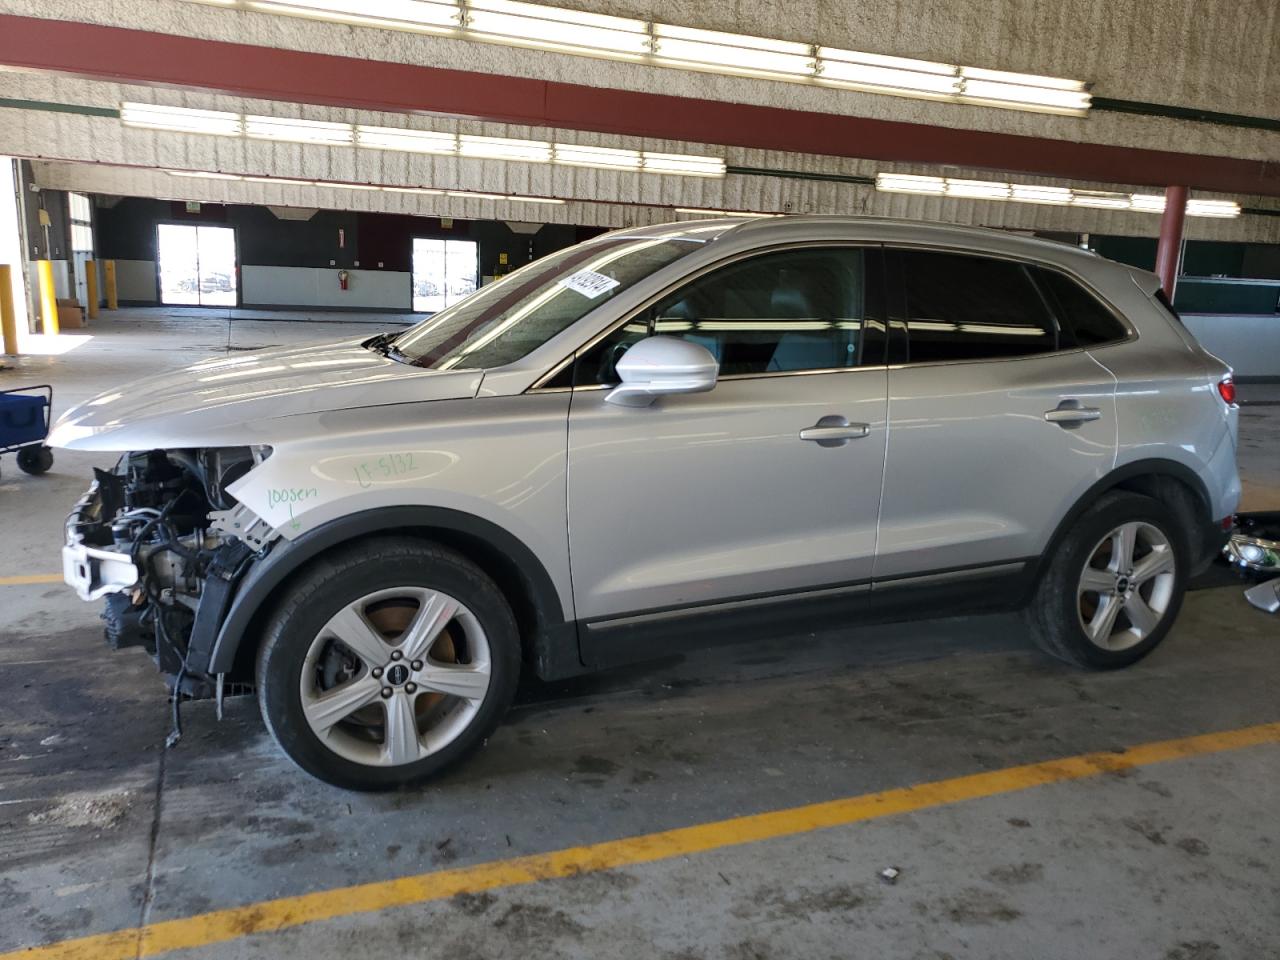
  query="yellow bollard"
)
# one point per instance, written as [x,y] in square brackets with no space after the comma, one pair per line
[48,297]
[109,266]
[91,281]
[8,319]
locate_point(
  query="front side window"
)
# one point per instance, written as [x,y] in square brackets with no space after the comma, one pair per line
[509,319]
[963,307]
[794,310]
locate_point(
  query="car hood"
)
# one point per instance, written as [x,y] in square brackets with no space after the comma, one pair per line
[240,399]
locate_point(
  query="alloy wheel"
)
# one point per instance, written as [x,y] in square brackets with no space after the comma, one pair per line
[1126,586]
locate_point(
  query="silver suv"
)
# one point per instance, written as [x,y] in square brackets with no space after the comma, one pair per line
[663,436]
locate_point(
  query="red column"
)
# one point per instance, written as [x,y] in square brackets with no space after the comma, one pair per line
[1169,250]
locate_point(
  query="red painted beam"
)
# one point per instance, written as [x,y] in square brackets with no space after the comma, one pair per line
[1169,249]
[137,56]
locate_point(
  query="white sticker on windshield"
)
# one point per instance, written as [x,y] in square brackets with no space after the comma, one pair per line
[589,283]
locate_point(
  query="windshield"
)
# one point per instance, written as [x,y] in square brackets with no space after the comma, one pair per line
[508,319]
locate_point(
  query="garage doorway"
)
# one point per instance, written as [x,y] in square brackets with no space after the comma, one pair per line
[444,271]
[197,265]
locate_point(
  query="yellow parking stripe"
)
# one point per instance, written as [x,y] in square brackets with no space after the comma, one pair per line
[30,578]
[270,916]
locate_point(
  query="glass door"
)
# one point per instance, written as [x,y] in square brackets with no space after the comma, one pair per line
[444,271]
[197,265]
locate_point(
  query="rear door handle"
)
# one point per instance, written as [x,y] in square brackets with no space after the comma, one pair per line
[834,432]
[1072,413]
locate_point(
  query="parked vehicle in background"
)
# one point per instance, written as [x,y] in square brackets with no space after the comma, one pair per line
[660,436]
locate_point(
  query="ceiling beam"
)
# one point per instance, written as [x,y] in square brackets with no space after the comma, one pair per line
[137,56]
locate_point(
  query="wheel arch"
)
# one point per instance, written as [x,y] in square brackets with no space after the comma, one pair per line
[1172,483]
[548,640]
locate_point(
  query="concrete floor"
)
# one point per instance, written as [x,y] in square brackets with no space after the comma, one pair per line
[101,828]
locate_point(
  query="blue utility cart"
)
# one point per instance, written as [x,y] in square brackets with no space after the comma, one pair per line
[24,426]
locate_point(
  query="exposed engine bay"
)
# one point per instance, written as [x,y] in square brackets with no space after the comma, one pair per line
[161,539]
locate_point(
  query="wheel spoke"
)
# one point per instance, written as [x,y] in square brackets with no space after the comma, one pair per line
[432,617]
[1143,618]
[1158,561]
[337,704]
[1098,581]
[349,626]
[1104,621]
[400,738]
[469,681]
[1123,542]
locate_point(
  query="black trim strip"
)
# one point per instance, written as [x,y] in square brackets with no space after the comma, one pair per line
[1143,108]
[800,175]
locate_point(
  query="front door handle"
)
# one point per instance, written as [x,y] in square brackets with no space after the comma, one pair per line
[834,432]
[1072,413]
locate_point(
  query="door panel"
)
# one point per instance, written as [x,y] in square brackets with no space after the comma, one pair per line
[975,473]
[713,496]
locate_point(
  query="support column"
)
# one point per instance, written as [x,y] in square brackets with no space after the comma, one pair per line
[91,284]
[48,298]
[8,318]
[109,269]
[1169,250]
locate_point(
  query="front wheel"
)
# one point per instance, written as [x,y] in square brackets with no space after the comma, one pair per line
[1115,584]
[388,661]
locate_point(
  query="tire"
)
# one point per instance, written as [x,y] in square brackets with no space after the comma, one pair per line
[1066,614]
[35,460]
[307,674]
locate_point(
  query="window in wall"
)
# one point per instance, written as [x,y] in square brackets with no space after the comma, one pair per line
[1087,318]
[962,307]
[444,271]
[81,216]
[795,310]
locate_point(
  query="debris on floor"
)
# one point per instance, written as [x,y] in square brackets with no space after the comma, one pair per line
[890,875]
[100,810]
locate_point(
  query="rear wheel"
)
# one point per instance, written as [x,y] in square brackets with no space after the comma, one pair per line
[388,662]
[1115,585]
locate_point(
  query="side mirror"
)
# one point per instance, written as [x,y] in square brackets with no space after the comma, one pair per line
[657,366]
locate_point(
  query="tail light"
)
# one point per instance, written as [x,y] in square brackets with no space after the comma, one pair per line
[1227,390]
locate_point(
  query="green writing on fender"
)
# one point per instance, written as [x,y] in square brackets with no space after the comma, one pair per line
[280,495]
[386,467]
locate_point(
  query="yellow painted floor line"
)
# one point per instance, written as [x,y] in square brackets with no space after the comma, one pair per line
[30,578]
[269,916]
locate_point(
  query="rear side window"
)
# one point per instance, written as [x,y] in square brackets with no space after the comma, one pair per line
[962,307]
[1084,315]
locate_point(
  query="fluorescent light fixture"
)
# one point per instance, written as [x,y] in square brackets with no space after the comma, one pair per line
[683,163]
[1027,193]
[705,212]
[424,191]
[472,195]
[687,46]
[499,148]
[605,157]
[1035,193]
[537,25]
[295,130]
[204,174]
[154,116]
[283,181]
[402,138]
[887,74]
[579,32]
[977,189]
[1213,208]
[907,183]
[346,186]
[432,16]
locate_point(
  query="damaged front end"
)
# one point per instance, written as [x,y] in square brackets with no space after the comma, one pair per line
[161,539]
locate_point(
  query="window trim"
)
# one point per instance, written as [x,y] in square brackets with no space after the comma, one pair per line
[1132,332]
[697,275]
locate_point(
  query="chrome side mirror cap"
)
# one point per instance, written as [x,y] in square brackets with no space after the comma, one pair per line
[657,366]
